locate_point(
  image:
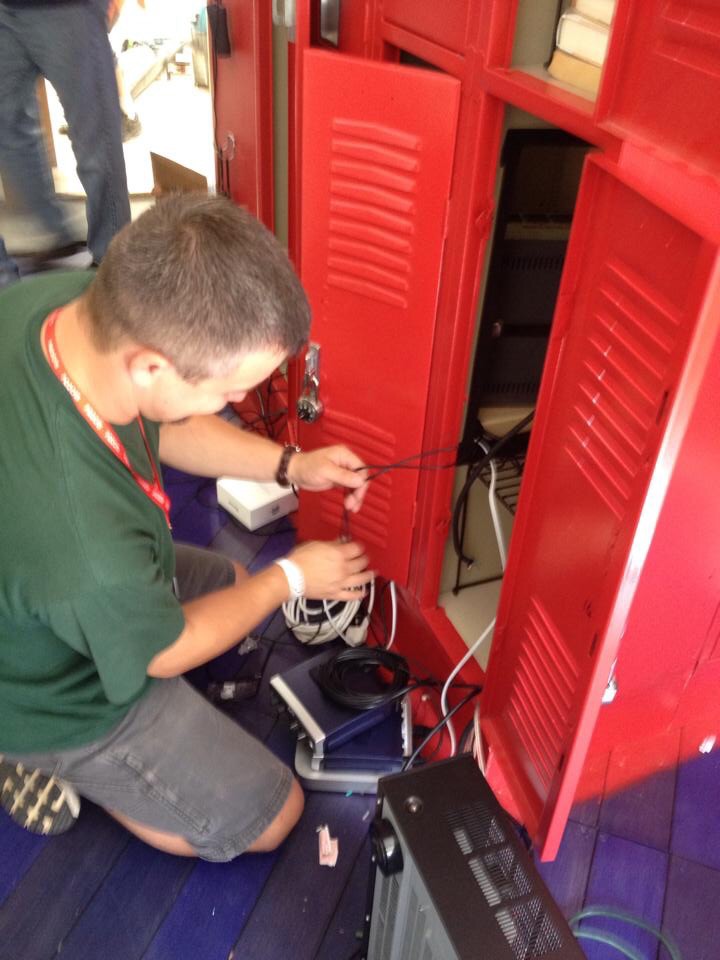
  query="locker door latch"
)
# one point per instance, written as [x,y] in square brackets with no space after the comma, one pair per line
[309,405]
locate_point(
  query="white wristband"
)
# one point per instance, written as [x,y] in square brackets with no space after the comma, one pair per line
[295,577]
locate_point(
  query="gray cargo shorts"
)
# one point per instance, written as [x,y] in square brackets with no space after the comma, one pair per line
[175,762]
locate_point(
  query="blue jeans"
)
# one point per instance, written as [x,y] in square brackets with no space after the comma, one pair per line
[8,268]
[68,44]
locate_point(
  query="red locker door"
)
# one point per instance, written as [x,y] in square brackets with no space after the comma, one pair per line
[377,153]
[663,79]
[242,90]
[633,287]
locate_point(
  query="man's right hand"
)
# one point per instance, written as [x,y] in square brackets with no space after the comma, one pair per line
[331,570]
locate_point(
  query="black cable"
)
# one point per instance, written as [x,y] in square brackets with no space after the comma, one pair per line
[415,456]
[344,678]
[245,686]
[438,726]
[339,677]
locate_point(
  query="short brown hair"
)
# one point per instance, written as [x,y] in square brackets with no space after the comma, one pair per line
[201,281]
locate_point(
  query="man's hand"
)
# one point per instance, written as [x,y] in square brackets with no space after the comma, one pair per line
[333,570]
[330,467]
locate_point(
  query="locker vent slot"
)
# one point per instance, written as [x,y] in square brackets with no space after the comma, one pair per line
[373,182]
[543,691]
[500,876]
[528,929]
[475,828]
[628,349]
[373,445]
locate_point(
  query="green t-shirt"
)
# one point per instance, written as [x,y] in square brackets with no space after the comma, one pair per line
[86,559]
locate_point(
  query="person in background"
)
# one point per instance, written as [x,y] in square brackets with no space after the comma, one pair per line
[101,376]
[67,43]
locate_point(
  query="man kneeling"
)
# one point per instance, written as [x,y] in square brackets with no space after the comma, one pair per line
[101,378]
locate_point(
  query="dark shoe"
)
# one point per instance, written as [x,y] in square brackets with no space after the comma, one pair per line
[40,804]
[131,128]
[54,253]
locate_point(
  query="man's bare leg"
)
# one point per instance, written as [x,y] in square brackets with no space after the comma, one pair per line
[269,839]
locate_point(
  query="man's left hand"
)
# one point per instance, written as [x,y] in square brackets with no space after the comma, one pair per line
[330,467]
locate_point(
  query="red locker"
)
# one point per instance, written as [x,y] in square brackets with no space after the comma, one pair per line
[242,94]
[376,175]
[612,577]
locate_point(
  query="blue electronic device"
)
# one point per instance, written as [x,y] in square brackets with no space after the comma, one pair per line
[326,724]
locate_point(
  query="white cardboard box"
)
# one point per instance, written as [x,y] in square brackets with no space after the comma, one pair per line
[255,504]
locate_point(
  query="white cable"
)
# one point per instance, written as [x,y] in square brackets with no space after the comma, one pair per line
[478,751]
[471,650]
[316,622]
[344,620]
[456,670]
[393,622]
[502,550]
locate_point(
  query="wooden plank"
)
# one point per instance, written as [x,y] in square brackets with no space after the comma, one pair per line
[300,897]
[567,875]
[696,824]
[40,912]
[692,917]
[19,850]
[343,934]
[631,877]
[643,811]
[208,915]
[126,911]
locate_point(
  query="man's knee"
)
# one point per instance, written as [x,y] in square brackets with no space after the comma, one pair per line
[273,836]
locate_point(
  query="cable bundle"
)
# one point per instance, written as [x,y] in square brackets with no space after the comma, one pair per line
[351,678]
[315,622]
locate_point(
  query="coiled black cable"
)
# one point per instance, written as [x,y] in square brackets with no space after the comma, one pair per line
[351,678]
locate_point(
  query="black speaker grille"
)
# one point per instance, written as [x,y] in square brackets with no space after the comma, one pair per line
[528,929]
[475,828]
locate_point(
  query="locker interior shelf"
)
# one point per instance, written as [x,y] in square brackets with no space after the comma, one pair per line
[508,479]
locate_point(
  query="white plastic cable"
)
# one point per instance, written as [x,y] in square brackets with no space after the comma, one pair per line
[298,614]
[502,549]
[478,748]
[456,670]
[393,622]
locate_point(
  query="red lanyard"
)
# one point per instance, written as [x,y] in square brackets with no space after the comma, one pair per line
[106,433]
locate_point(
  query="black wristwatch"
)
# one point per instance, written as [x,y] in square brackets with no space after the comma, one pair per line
[281,475]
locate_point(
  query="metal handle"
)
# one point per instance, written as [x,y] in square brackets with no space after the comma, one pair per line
[283,14]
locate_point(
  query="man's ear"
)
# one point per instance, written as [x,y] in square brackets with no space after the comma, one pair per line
[146,366]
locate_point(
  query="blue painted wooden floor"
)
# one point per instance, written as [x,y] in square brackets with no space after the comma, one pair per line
[95,893]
